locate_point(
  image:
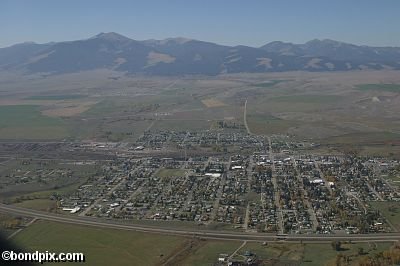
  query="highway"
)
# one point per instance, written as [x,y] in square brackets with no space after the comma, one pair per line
[261,237]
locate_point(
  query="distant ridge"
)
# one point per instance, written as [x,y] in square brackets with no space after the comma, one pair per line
[182,56]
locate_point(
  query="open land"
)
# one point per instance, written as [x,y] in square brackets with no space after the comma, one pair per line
[104,246]
[290,155]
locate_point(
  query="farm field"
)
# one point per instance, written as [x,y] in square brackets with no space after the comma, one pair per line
[212,103]
[329,108]
[100,246]
[26,122]
[56,97]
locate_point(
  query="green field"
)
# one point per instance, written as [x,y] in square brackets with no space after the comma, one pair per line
[364,138]
[38,204]
[282,253]
[313,99]
[323,254]
[26,122]
[208,253]
[379,87]
[100,246]
[266,124]
[118,247]
[181,125]
[105,107]
[164,173]
[56,97]
[33,192]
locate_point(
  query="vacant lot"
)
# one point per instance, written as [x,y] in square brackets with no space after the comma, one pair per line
[391,211]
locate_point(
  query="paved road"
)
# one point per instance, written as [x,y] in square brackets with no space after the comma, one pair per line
[194,233]
[245,118]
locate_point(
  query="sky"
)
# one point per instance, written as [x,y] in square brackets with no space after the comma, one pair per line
[229,22]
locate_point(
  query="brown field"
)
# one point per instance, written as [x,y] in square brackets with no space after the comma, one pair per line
[68,109]
[210,103]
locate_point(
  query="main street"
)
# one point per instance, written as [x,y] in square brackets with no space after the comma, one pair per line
[261,237]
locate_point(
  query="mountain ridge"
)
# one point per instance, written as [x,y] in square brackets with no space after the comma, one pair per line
[183,56]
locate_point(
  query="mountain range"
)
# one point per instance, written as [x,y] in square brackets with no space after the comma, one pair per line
[180,56]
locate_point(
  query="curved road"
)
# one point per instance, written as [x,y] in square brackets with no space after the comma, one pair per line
[198,233]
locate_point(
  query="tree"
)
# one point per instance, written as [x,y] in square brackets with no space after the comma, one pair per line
[336,245]
[360,251]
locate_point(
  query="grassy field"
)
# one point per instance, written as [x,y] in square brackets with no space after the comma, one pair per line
[395,179]
[56,183]
[26,122]
[117,247]
[364,138]
[100,246]
[266,124]
[313,99]
[38,204]
[182,124]
[164,173]
[208,253]
[391,210]
[323,254]
[282,253]
[285,253]
[379,87]
[33,192]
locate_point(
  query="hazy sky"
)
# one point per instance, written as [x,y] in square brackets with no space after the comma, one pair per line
[232,22]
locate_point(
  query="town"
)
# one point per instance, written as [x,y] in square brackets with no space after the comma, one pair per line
[232,181]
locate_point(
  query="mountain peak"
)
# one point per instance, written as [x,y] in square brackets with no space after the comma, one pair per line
[176,40]
[111,36]
[325,42]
